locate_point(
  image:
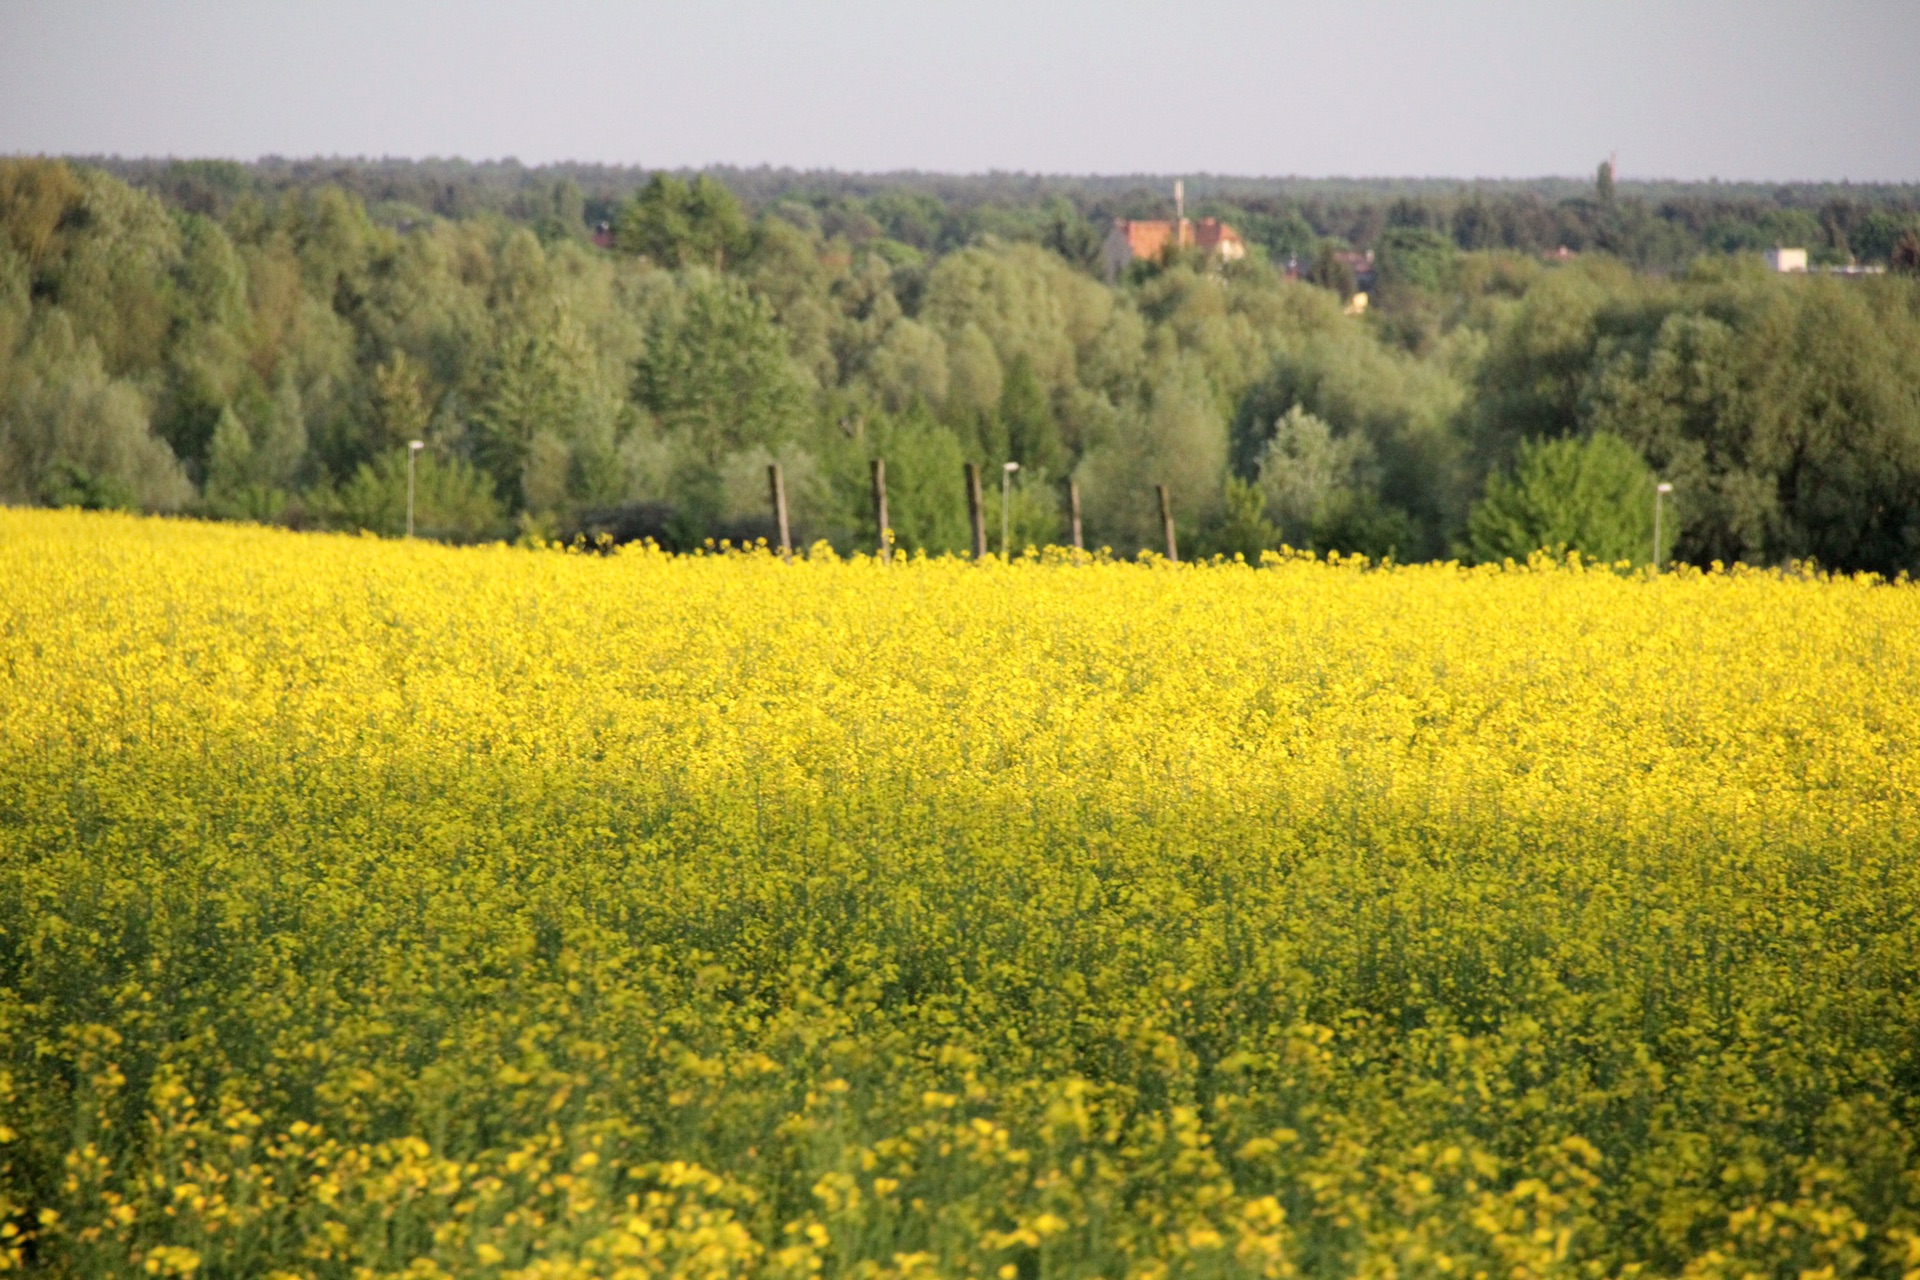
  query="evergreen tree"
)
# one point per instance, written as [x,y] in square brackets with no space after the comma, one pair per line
[1593,495]
[1244,530]
[400,407]
[452,499]
[679,225]
[1031,433]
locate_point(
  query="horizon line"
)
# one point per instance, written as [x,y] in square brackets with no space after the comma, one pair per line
[1032,174]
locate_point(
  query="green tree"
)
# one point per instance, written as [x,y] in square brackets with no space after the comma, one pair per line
[251,470]
[545,426]
[1322,489]
[916,218]
[717,379]
[1533,378]
[678,225]
[1782,409]
[111,267]
[787,268]
[228,490]
[1876,235]
[72,435]
[1286,235]
[1244,529]
[1591,494]
[39,198]
[207,366]
[1357,522]
[1071,236]
[1034,514]
[401,408]
[453,500]
[1415,257]
[562,214]
[716,372]
[908,363]
[926,501]
[1177,438]
[1306,474]
[1026,418]
[1023,300]
[1394,417]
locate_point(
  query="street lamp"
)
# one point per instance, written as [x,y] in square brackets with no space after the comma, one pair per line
[413,451]
[1006,490]
[1660,491]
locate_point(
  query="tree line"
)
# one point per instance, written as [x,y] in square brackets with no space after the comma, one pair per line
[1651,223]
[237,342]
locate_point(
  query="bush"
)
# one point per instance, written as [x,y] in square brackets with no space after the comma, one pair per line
[453,501]
[1593,495]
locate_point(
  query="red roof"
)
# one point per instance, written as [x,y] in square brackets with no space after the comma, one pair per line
[1148,238]
[1209,234]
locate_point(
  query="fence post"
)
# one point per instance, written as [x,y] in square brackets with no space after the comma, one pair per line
[880,510]
[777,488]
[1073,513]
[1166,524]
[976,512]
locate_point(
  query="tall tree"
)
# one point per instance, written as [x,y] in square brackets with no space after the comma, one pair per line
[545,424]
[716,372]
[1032,434]
[679,225]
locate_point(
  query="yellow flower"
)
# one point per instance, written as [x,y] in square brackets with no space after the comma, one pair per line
[405,907]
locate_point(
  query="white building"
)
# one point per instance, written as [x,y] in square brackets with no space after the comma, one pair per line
[1787,259]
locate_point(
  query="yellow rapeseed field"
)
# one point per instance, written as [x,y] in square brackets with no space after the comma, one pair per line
[371,908]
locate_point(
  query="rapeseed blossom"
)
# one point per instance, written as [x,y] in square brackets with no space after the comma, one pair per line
[377,908]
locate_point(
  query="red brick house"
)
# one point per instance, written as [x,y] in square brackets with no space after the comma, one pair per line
[1141,240]
[1146,240]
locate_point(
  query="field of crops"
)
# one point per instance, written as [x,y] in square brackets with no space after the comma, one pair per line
[374,908]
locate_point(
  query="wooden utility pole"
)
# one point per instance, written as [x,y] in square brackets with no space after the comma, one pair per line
[1073,513]
[1166,523]
[880,510]
[976,512]
[777,488]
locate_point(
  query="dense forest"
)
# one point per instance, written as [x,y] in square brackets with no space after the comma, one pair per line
[590,350]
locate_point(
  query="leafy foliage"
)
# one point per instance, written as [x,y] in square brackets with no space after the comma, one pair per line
[679,225]
[545,424]
[1592,495]
[72,434]
[453,501]
[1417,258]
[716,371]
[625,351]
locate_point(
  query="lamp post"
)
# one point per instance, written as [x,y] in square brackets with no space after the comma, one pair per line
[413,452]
[1660,491]
[1006,492]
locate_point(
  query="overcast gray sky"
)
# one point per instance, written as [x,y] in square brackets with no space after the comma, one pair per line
[1758,90]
